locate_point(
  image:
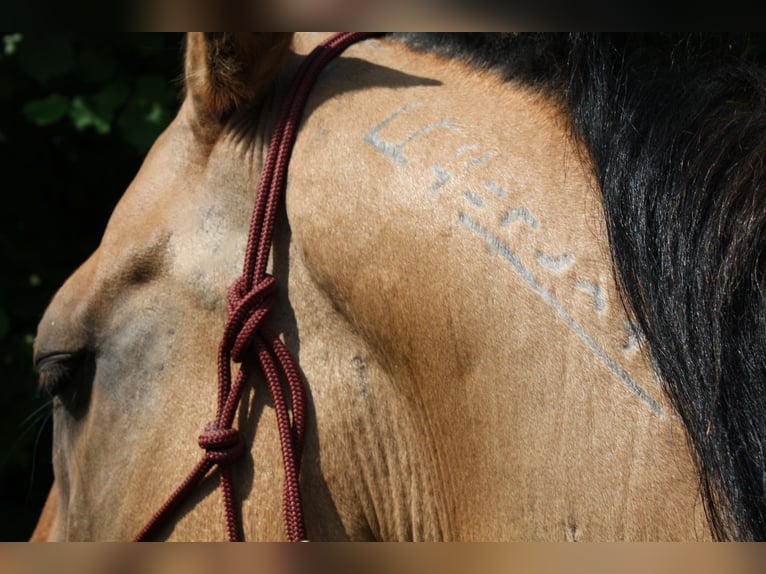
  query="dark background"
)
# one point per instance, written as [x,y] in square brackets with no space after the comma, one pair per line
[77,114]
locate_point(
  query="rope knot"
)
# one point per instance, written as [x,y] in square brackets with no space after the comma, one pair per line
[221,446]
[247,308]
[242,299]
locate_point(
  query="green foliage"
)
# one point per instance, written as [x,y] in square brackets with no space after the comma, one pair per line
[145,115]
[9,43]
[47,110]
[85,81]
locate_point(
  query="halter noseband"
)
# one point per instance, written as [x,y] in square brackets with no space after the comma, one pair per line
[250,299]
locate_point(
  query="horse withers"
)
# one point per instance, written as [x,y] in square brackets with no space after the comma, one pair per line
[445,279]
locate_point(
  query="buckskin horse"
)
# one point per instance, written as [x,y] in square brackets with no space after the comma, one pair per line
[521,276]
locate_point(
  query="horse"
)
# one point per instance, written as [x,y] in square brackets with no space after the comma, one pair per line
[521,274]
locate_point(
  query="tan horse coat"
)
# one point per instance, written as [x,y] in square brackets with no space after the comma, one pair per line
[444,282]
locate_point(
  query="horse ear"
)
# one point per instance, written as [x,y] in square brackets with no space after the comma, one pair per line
[225,70]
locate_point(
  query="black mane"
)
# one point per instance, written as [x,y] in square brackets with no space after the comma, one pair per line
[675,126]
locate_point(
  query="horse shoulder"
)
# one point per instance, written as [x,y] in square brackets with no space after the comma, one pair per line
[464,328]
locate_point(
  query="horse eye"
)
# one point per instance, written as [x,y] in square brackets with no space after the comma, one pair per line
[61,370]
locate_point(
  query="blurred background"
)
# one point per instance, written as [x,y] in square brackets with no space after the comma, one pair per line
[77,114]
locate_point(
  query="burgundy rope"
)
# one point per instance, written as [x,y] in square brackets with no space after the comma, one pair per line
[250,299]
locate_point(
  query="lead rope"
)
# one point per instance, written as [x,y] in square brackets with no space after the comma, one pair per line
[251,297]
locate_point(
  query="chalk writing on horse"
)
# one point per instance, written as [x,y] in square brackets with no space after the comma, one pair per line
[494,242]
